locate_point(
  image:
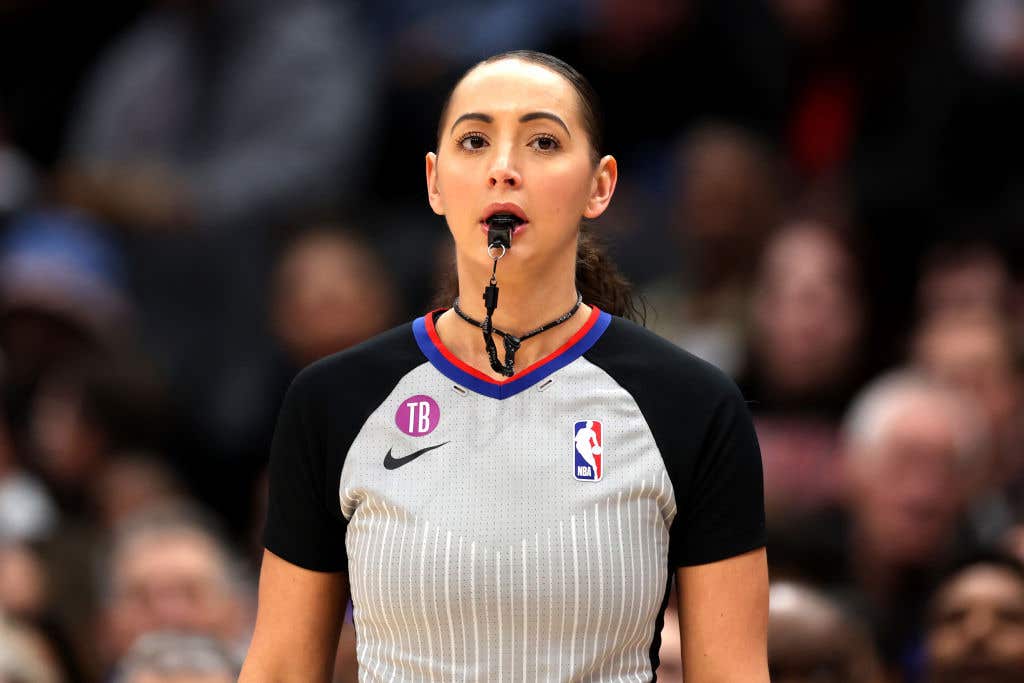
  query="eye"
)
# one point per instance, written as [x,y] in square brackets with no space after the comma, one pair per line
[951,616]
[1011,615]
[475,141]
[545,143]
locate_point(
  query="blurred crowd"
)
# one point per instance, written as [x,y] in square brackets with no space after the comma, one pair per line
[825,198]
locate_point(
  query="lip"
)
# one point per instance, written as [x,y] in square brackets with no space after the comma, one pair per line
[506,207]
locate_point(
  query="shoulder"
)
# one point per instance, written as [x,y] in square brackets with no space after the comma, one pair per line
[705,436]
[653,368]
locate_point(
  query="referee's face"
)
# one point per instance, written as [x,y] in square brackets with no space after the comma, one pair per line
[514,134]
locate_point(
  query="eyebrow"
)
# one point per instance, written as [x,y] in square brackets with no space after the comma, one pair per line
[532,116]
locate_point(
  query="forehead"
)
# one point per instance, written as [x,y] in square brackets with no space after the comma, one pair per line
[984,582]
[170,550]
[924,420]
[514,86]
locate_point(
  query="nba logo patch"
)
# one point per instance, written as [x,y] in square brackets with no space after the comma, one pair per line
[588,449]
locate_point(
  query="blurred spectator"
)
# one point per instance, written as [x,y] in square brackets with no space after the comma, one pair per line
[802,471]
[818,75]
[26,510]
[958,277]
[221,113]
[85,410]
[910,450]
[808,323]
[171,657]
[805,357]
[205,126]
[61,295]
[976,353]
[25,657]
[169,570]
[994,32]
[130,483]
[810,638]
[38,86]
[976,624]
[26,596]
[24,589]
[728,199]
[330,292]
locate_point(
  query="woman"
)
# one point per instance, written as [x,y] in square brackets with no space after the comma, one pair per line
[517,516]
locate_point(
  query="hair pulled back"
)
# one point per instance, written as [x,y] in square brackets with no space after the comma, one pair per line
[597,277]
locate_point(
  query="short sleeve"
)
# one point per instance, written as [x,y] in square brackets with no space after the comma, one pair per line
[304,521]
[721,513]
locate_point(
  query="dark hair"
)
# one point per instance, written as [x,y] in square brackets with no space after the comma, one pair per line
[597,277]
[985,556]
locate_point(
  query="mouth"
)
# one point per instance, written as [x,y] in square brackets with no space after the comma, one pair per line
[504,215]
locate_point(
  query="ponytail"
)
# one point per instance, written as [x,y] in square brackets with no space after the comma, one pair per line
[601,283]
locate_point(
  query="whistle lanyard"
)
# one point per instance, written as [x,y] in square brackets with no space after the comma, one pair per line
[511,342]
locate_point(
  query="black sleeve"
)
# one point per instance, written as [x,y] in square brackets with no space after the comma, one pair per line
[701,426]
[721,511]
[304,523]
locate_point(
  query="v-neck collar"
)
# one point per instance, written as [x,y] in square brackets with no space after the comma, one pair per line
[459,372]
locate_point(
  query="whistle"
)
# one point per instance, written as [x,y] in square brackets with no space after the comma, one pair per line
[499,230]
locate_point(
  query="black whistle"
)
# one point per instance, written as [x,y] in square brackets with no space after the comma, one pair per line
[499,230]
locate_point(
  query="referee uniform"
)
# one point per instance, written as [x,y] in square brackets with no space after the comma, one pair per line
[517,530]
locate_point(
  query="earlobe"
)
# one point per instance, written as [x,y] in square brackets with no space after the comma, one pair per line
[433,192]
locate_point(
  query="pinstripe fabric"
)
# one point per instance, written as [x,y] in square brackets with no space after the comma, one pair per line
[485,559]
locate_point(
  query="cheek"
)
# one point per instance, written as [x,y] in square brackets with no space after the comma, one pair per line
[559,198]
[572,182]
[944,644]
[1010,643]
[459,186]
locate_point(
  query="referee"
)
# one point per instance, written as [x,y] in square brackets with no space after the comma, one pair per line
[506,488]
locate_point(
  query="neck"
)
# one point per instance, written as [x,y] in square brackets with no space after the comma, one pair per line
[525,303]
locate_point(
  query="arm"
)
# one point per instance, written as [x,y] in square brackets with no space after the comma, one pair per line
[723,619]
[298,623]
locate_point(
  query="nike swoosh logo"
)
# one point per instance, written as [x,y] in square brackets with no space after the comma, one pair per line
[394,463]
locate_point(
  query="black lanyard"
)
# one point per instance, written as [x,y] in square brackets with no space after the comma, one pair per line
[512,343]
[499,236]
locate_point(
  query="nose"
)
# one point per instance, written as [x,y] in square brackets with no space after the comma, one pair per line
[173,609]
[503,171]
[979,628]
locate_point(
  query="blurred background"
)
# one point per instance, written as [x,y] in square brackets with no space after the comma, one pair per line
[825,198]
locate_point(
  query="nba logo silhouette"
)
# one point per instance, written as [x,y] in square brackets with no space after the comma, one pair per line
[587,449]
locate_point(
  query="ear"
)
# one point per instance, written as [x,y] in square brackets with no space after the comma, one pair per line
[433,195]
[602,188]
